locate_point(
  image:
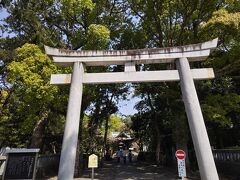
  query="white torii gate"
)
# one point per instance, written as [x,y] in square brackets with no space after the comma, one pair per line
[181,55]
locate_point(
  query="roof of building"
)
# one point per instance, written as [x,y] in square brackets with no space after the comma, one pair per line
[120,136]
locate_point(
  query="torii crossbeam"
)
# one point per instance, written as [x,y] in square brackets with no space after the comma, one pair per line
[181,55]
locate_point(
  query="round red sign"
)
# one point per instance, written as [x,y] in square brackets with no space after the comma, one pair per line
[180,154]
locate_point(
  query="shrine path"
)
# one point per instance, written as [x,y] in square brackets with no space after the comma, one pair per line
[112,170]
[132,171]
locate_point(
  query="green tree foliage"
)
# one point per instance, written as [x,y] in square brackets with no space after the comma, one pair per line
[31,71]
[224,25]
[219,108]
[170,23]
[116,124]
[222,100]
[89,143]
[32,97]
[97,36]
[51,23]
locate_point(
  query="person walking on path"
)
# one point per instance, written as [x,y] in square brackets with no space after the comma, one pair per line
[119,154]
[130,156]
[125,154]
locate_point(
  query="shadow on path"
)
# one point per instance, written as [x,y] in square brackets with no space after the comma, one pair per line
[131,171]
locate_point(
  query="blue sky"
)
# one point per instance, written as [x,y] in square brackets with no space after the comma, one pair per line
[126,107]
[3,14]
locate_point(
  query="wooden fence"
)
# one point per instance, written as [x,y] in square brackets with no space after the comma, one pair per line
[228,162]
[226,155]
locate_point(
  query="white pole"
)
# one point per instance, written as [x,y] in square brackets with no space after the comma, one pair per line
[195,119]
[92,173]
[70,138]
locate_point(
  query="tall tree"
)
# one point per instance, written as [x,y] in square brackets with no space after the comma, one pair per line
[33,96]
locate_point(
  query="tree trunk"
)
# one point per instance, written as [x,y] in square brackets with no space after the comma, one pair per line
[158,147]
[108,114]
[105,137]
[38,131]
[6,101]
[78,163]
[158,133]
[93,123]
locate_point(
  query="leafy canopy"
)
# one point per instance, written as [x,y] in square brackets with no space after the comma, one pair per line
[30,72]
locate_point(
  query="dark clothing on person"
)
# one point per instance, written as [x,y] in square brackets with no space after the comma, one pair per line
[130,156]
[124,159]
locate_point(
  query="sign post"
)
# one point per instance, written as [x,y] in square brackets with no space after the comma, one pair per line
[92,163]
[180,155]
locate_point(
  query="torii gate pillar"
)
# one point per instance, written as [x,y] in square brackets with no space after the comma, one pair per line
[196,123]
[70,138]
